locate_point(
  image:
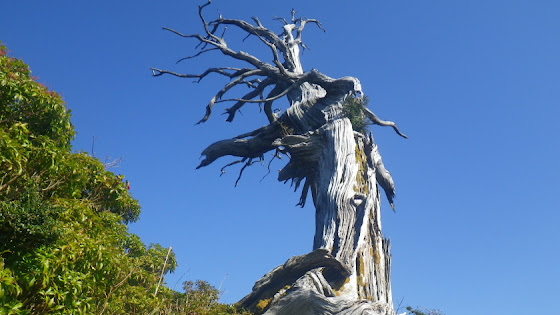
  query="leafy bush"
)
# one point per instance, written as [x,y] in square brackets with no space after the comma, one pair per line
[64,244]
[28,223]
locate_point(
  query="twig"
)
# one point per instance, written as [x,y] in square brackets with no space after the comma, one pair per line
[106,302]
[197,54]
[162,271]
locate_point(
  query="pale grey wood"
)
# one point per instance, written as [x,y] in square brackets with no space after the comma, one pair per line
[348,271]
[288,273]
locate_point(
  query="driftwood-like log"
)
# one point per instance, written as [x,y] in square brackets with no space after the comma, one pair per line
[287,274]
[309,297]
[348,271]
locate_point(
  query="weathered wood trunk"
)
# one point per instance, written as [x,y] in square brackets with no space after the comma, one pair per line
[339,167]
[348,271]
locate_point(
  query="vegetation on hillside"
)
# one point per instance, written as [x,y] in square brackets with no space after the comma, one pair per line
[64,244]
[423,311]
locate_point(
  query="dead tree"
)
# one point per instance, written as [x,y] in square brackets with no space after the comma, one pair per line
[349,270]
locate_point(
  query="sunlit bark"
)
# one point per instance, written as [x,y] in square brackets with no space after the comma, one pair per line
[349,270]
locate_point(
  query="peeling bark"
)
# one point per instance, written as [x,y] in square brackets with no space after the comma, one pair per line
[348,271]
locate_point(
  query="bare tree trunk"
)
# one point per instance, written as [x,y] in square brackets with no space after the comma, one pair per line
[348,271]
[339,167]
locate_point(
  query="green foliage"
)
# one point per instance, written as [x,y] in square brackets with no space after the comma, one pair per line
[35,134]
[202,296]
[28,223]
[8,287]
[199,298]
[64,244]
[352,109]
[30,160]
[22,99]
[417,311]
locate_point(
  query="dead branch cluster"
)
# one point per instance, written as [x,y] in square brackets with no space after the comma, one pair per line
[282,75]
[267,81]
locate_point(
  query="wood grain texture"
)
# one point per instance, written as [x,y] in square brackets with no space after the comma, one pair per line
[348,271]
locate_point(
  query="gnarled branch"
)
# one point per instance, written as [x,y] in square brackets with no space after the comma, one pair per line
[374,119]
[226,88]
[258,90]
[284,73]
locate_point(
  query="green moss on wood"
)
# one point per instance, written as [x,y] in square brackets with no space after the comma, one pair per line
[352,108]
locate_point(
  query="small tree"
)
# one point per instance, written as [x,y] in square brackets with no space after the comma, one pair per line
[64,244]
[331,155]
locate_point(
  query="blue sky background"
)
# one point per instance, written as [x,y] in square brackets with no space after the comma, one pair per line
[475,85]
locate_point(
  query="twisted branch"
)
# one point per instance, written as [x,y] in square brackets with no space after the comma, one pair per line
[226,88]
[256,92]
[374,119]
[284,77]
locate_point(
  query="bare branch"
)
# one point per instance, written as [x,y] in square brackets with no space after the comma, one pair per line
[283,20]
[273,48]
[203,44]
[374,119]
[382,175]
[286,91]
[221,44]
[223,32]
[237,106]
[304,192]
[270,36]
[276,155]
[268,104]
[266,36]
[256,19]
[210,34]
[302,26]
[226,88]
[112,164]
[214,29]
[157,72]
[197,36]
[223,169]
[251,83]
[256,92]
[260,143]
[245,38]
[197,54]
[248,163]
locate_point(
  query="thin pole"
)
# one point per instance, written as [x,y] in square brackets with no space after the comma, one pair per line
[162,270]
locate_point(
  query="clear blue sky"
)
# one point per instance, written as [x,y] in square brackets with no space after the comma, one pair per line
[475,85]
